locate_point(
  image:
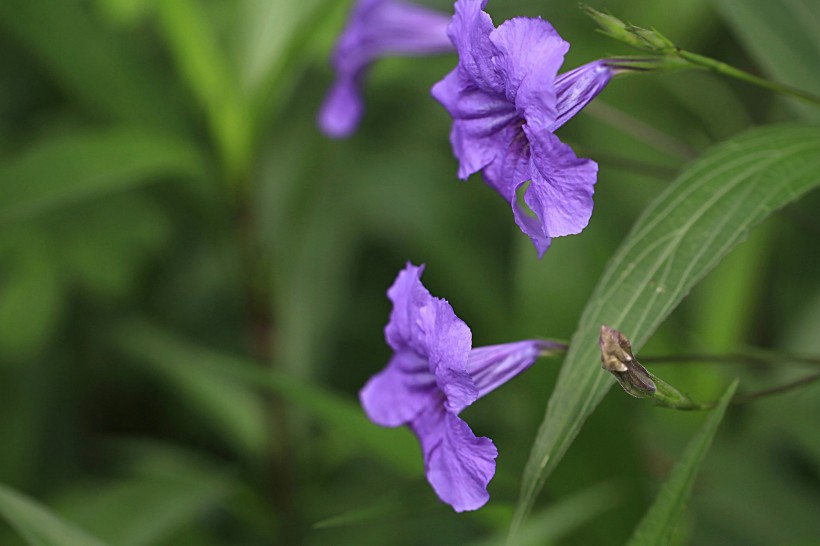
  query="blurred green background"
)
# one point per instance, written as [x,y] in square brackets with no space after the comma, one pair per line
[192,280]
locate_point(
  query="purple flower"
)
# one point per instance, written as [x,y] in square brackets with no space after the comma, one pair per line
[506,101]
[376,28]
[432,376]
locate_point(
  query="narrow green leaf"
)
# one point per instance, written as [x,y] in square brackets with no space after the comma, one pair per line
[659,523]
[395,447]
[104,73]
[565,516]
[782,36]
[195,45]
[172,488]
[683,235]
[38,525]
[80,166]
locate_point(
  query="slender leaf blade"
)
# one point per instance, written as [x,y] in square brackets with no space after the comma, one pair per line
[38,525]
[104,73]
[83,165]
[658,525]
[682,235]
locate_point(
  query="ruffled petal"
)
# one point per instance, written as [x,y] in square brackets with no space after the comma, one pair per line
[529,54]
[511,167]
[427,327]
[560,193]
[397,394]
[484,124]
[493,365]
[408,296]
[447,343]
[458,464]
[470,32]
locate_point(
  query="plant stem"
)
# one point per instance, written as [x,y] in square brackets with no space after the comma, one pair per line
[731,71]
[764,358]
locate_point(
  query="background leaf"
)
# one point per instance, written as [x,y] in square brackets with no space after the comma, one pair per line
[658,526]
[80,166]
[782,36]
[38,525]
[680,238]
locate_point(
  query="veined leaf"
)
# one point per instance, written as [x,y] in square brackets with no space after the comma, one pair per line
[38,525]
[80,166]
[782,36]
[683,235]
[658,525]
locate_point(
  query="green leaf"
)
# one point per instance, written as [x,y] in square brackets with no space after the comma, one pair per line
[80,166]
[782,36]
[683,235]
[659,523]
[106,74]
[195,45]
[395,447]
[172,490]
[38,525]
[31,294]
[564,516]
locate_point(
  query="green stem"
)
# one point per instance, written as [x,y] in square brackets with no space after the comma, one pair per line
[731,71]
[751,357]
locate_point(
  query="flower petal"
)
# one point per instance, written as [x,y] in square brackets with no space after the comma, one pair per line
[458,464]
[560,193]
[376,28]
[429,328]
[397,394]
[493,365]
[470,31]
[576,88]
[342,109]
[484,124]
[529,54]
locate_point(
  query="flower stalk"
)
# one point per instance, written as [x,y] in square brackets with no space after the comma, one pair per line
[672,57]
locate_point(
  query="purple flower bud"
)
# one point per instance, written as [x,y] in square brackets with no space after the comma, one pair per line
[506,99]
[433,375]
[376,28]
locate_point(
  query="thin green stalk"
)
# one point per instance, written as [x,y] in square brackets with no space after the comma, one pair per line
[728,70]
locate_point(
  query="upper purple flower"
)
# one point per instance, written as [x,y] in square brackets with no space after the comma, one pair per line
[506,100]
[376,28]
[432,376]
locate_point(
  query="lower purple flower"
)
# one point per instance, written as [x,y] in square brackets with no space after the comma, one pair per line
[433,375]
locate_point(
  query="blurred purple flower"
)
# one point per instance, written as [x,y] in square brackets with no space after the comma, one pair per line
[376,28]
[432,376]
[506,101]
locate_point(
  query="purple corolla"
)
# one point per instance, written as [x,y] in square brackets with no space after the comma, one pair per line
[507,99]
[433,375]
[376,28]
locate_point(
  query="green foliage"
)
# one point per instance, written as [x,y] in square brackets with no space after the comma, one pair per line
[782,37]
[659,524]
[38,525]
[680,238]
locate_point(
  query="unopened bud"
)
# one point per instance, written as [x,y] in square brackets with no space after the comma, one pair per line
[641,38]
[617,358]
